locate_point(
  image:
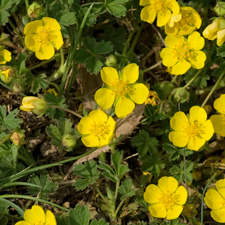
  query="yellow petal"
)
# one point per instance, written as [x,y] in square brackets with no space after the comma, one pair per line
[131,73]
[171,30]
[158,210]
[213,199]
[32,43]
[56,39]
[124,106]
[218,124]
[27,103]
[197,59]
[90,141]
[148,14]
[104,97]
[195,41]
[179,121]
[35,215]
[178,138]
[195,143]
[210,31]
[219,104]
[50,218]
[109,75]
[84,125]
[46,51]
[168,184]
[51,23]
[32,27]
[98,116]
[163,17]
[139,93]
[220,186]
[169,57]
[22,223]
[198,114]
[174,41]
[173,6]
[207,130]
[218,215]
[174,212]
[144,2]
[220,37]
[152,194]
[181,195]
[181,67]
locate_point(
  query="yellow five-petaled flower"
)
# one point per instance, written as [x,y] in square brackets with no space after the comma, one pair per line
[192,131]
[42,36]
[97,129]
[37,216]
[121,90]
[180,54]
[5,55]
[166,199]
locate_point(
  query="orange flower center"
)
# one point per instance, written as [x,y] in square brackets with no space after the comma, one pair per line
[99,129]
[43,35]
[187,20]
[168,200]
[121,89]
[193,129]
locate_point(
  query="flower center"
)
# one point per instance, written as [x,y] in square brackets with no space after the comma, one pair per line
[168,200]
[193,129]
[187,19]
[99,129]
[43,35]
[121,88]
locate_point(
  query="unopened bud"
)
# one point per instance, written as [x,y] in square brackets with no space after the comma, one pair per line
[181,94]
[69,141]
[40,107]
[111,60]
[6,74]
[167,87]
[18,138]
[34,10]
[220,8]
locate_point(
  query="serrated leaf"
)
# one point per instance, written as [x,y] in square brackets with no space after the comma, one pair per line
[39,82]
[4,17]
[116,10]
[79,215]
[116,159]
[125,189]
[99,222]
[81,184]
[66,18]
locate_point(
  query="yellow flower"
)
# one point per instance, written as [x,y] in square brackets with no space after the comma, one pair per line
[215,200]
[153,98]
[5,55]
[97,129]
[192,131]
[166,199]
[182,54]
[160,8]
[37,216]
[5,73]
[184,23]
[216,30]
[218,121]
[121,90]
[50,90]
[42,36]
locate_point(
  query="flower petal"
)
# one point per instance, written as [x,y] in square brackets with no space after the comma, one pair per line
[6,55]
[124,106]
[174,212]
[210,31]
[32,43]
[174,41]
[168,184]
[219,104]
[56,39]
[139,93]
[178,138]
[51,23]
[195,41]
[131,73]
[109,75]
[104,97]
[50,218]
[163,17]
[152,194]
[98,116]
[169,57]
[22,223]
[195,143]
[218,124]
[144,2]
[207,130]
[46,51]
[179,121]
[90,141]
[197,59]
[220,37]
[32,27]
[158,210]
[181,195]
[213,199]
[220,186]
[181,67]
[218,215]
[173,6]
[34,215]
[198,114]
[84,125]
[148,14]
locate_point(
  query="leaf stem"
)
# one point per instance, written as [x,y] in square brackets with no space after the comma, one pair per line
[193,78]
[151,67]
[101,195]
[67,110]
[14,28]
[16,207]
[27,4]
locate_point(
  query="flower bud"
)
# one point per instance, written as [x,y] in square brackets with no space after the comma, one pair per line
[220,8]
[167,87]
[6,74]
[18,138]
[40,107]
[69,141]
[165,108]
[190,210]
[17,87]
[111,60]
[181,94]
[34,10]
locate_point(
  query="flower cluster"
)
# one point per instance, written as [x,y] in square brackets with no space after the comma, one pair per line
[166,199]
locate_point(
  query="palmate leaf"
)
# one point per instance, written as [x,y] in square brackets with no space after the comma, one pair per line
[116,8]
[126,189]
[79,216]
[99,222]
[39,82]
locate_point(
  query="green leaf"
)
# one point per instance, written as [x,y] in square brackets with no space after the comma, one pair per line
[4,17]
[88,172]
[99,222]
[66,18]
[79,215]
[39,82]
[116,10]
[91,53]
[108,171]
[125,189]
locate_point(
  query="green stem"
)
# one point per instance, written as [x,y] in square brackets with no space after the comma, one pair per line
[193,78]
[151,67]
[127,42]
[213,89]
[33,199]
[71,56]
[101,195]
[174,79]
[15,30]
[27,4]
[16,207]
[62,56]
[119,206]
[67,110]
[203,194]
[54,85]
[185,175]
